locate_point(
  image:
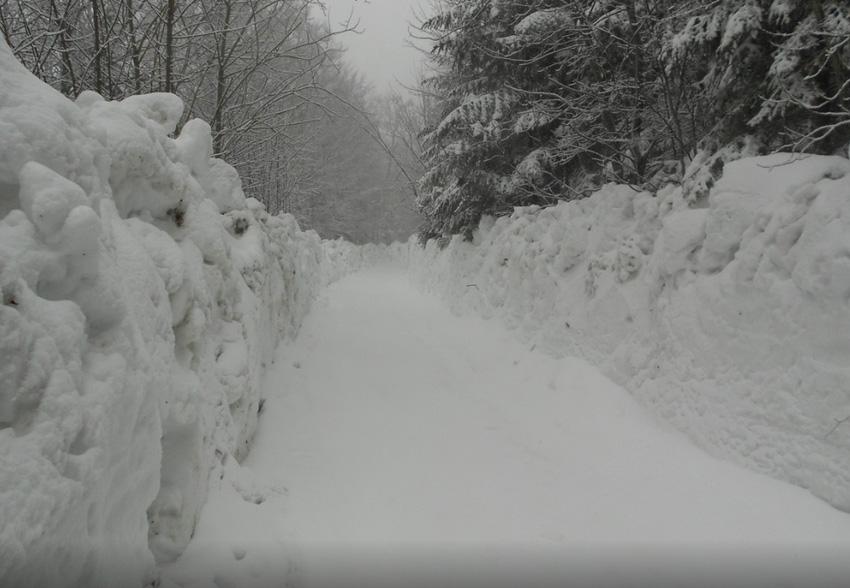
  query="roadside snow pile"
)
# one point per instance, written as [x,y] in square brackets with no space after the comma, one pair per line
[729,318]
[142,298]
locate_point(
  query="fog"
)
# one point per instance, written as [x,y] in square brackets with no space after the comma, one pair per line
[381,50]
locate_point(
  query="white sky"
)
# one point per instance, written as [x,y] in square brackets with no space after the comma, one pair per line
[380,52]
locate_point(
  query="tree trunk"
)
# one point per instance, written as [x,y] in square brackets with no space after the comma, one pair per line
[171,9]
[134,47]
[68,82]
[221,76]
[98,72]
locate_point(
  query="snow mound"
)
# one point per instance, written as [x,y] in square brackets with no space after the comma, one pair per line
[142,298]
[730,318]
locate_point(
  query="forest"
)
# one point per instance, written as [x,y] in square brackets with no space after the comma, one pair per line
[523,101]
[546,100]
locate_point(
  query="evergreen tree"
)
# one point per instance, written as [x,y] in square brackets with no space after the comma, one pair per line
[545,100]
[776,69]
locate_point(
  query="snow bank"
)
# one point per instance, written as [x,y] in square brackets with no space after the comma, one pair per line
[142,298]
[729,318]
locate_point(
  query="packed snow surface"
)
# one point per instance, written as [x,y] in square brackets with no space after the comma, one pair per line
[726,315]
[398,441]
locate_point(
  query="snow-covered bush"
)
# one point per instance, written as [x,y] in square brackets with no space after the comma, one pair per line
[731,321]
[142,298]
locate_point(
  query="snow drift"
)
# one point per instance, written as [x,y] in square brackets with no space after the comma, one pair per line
[142,297]
[728,317]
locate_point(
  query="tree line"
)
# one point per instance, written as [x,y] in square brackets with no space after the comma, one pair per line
[546,100]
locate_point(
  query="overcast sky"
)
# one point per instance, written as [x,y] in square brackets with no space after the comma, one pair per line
[380,52]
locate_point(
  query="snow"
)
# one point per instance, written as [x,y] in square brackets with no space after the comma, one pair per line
[398,440]
[726,317]
[543,22]
[142,300]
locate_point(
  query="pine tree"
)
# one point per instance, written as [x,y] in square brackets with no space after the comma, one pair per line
[776,69]
[544,100]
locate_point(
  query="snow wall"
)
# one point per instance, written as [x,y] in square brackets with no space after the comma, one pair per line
[142,297]
[727,317]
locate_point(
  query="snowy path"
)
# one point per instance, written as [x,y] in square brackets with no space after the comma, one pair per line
[393,427]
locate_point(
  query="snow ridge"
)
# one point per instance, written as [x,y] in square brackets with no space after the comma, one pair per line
[142,299]
[727,317]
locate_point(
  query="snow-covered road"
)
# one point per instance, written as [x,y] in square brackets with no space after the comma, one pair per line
[394,429]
